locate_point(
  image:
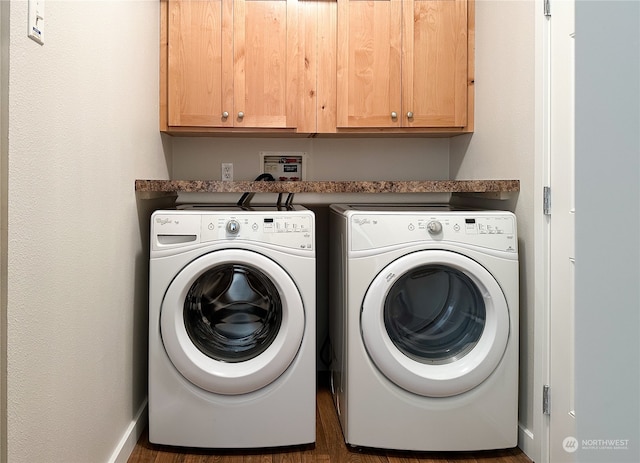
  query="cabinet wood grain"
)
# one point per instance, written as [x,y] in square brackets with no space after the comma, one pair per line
[317,67]
[199,57]
[369,63]
[435,63]
[265,75]
[402,63]
[230,63]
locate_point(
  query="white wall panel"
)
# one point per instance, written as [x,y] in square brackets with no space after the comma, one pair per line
[83,112]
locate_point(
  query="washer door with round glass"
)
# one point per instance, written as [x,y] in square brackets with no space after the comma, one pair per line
[232,321]
[435,323]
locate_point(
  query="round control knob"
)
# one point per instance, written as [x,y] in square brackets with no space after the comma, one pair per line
[240,115]
[225,114]
[233,227]
[434,227]
[394,115]
[410,114]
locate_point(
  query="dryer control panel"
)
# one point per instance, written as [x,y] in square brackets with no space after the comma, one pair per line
[495,231]
[470,225]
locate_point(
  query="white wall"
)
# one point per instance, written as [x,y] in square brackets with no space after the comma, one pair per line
[502,146]
[329,158]
[83,124]
[4,113]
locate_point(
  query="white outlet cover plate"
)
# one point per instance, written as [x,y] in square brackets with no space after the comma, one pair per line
[227,172]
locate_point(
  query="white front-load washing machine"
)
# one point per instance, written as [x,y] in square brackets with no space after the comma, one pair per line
[424,327]
[232,327]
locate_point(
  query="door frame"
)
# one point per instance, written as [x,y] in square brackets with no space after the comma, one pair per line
[535,442]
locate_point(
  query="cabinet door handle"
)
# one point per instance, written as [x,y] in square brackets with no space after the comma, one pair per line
[225,114]
[394,115]
[240,115]
[409,114]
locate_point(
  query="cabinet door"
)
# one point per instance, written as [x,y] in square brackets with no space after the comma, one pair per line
[434,66]
[199,55]
[368,63]
[265,73]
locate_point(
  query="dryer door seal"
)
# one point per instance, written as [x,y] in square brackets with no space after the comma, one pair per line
[261,356]
[452,314]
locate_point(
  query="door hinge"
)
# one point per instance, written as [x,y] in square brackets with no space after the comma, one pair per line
[547,8]
[546,200]
[546,400]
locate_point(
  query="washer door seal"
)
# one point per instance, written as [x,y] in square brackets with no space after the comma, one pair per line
[437,376]
[223,376]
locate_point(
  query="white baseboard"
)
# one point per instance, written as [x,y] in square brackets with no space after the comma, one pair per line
[526,442]
[131,435]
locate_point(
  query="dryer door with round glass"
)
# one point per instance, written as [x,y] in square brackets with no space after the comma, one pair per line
[232,321]
[435,322]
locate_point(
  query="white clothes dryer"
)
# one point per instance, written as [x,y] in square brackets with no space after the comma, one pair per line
[424,327]
[232,327]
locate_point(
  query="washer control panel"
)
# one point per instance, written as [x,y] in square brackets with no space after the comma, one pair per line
[493,230]
[233,227]
[291,229]
[287,230]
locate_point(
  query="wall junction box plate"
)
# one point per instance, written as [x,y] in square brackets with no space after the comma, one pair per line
[284,166]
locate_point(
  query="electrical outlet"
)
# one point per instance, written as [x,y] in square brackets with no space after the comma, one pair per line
[227,171]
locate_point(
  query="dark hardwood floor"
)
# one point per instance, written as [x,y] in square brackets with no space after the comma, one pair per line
[329,448]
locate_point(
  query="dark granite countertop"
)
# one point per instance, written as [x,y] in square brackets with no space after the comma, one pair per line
[378,186]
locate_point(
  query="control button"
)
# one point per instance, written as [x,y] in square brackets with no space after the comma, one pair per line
[254,226]
[233,227]
[456,227]
[434,227]
[210,226]
[411,227]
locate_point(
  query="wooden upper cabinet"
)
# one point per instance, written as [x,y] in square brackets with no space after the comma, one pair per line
[402,64]
[434,66]
[199,56]
[230,64]
[313,66]
[369,63]
[265,72]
